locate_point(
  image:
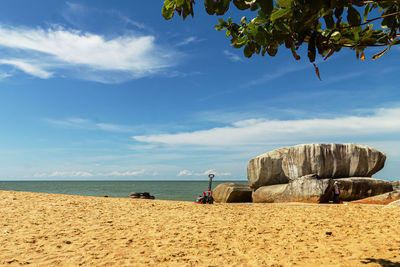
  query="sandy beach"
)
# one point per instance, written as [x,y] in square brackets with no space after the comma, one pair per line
[63,230]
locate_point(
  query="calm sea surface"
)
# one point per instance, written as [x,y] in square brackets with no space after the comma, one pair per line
[167,190]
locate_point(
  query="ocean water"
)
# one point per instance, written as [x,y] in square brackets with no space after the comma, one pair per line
[166,190]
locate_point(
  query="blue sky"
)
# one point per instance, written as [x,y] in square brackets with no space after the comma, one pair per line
[110,90]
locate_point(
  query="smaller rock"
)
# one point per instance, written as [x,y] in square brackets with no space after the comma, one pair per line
[396,183]
[355,188]
[380,199]
[232,192]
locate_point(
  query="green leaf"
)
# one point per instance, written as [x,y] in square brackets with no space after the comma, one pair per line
[336,36]
[279,13]
[241,4]
[376,56]
[330,23]
[367,9]
[248,51]
[285,3]
[266,6]
[338,12]
[272,49]
[210,6]
[353,17]
[168,9]
[311,48]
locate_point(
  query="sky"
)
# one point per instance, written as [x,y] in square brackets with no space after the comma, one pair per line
[109,90]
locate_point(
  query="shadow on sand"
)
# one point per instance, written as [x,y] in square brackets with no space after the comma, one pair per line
[381,262]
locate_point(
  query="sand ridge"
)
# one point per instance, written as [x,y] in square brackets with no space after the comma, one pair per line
[65,230]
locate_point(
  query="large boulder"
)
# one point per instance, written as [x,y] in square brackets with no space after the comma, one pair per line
[311,188]
[270,193]
[232,192]
[325,160]
[332,160]
[266,169]
[305,189]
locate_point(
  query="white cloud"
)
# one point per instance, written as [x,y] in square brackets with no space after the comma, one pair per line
[69,174]
[5,75]
[205,173]
[258,131]
[187,41]
[88,174]
[232,56]
[28,68]
[125,173]
[80,123]
[37,51]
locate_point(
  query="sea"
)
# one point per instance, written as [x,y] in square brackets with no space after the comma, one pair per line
[164,190]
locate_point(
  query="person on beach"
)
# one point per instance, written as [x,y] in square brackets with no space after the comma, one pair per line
[336,192]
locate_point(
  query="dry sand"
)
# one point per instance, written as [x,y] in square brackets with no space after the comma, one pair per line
[63,230]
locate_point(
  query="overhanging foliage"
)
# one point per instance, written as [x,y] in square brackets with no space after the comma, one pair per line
[326,26]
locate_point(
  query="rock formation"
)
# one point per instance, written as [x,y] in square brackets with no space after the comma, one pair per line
[266,169]
[305,189]
[325,160]
[232,192]
[314,190]
[355,188]
[396,183]
[332,160]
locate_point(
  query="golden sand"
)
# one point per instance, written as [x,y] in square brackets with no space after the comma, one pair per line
[64,230]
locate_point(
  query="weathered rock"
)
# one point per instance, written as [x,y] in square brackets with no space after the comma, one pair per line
[396,183]
[312,189]
[332,160]
[232,192]
[305,189]
[380,199]
[355,188]
[270,193]
[266,169]
[326,160]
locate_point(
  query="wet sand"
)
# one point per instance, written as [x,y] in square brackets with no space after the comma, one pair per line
[63,230]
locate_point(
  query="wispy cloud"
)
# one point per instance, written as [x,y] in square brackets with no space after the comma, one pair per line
[42,52]
[5,75]
[79,123]
[83,16]
[261,131]
[187,41]
[28,68]
[275,74]
[232,56]
[90,174]
[204,173]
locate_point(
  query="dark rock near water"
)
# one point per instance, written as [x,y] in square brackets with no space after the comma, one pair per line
[144,195]
[232,192]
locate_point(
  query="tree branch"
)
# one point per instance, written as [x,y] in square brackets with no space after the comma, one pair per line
[370,20]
